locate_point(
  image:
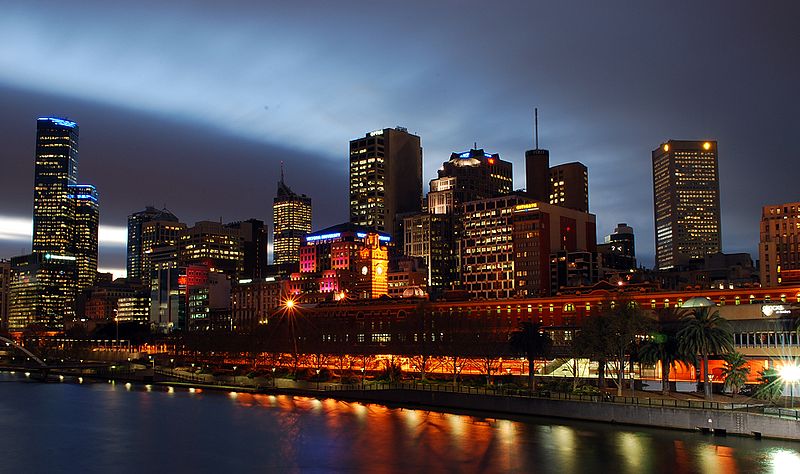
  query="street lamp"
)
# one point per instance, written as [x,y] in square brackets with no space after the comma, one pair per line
[234,374]
[317,379]
[274,382]
[790,374]
[362,377]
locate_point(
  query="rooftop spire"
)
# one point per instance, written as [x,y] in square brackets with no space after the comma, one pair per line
[536,126]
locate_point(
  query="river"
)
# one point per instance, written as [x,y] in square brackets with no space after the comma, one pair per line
[94,427]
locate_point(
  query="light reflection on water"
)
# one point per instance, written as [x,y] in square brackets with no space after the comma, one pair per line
[66,427]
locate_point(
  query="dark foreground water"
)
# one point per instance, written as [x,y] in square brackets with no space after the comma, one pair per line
[66,427]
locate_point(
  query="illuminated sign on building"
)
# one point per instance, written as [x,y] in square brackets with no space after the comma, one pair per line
[773,309]
[314,238]
[58,121]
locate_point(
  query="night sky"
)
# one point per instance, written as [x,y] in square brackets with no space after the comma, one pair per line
[194,105]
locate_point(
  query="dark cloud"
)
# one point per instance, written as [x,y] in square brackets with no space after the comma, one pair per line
[195,103]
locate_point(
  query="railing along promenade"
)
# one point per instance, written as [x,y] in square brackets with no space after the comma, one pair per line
[351,388]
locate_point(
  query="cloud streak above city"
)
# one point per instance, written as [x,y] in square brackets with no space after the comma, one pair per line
[199,102]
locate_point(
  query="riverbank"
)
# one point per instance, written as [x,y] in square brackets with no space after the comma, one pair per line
[715,418]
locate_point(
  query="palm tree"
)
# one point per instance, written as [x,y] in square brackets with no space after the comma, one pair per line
[705,333]
[529,340]
[662,346]
[735,371]
[770,386]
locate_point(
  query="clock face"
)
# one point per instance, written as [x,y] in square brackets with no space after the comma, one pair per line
[364,270]
[379,270]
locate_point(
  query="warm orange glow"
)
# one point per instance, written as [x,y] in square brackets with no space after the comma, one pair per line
[706,146]
[289,304]
[666,147]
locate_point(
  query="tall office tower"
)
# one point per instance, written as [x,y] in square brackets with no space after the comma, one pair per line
[254,234]
[779,245]
[291,217]
[569,186]
[136,249]
[154,235]
[686,202]
[385,178]
[56,170]
[213,245]
[537,167]
[85,225]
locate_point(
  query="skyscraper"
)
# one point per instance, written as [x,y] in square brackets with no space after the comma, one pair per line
[254,236]
[85,227]
[55,171]
[686,202]
[291,215]
[385,178]
[136,248]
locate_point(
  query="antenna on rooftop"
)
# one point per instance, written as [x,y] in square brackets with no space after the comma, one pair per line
[281,171]
[475,145]
[536,126]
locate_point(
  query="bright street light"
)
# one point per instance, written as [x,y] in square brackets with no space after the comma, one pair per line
[790,374]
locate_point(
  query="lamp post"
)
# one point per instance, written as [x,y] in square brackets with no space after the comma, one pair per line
[274,382]
[234,374]
[790,374]
[317,379]
[362,377]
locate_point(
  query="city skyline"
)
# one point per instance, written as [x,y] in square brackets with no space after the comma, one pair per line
[610,133]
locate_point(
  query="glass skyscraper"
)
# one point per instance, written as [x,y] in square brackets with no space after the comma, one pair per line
[85,226]
[56,170]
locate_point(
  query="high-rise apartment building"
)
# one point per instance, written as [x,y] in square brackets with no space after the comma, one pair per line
[569,186]
[136,247]
[55,171]
[779,245]
[291,216]
[385,178]
[85,227]
[686,202]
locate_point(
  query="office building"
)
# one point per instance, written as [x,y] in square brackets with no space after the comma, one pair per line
[55,171]
[779,245]
[254,236]
[41,291]
[291,216]
[85,227]
[618,251]
[254,301]
[478,175]
[569,186]
[385,178]
[159,237]
[686,202]
[136,245]
[211,244]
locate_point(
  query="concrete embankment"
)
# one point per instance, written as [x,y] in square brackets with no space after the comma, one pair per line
[716,421]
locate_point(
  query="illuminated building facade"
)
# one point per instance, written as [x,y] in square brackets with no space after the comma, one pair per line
[41,291]
[569,186]
[343,258]
[385,178]
[779,245]
[478,175]
[55,171]
[214,245]
[85,227]
[291,216]
[134,308]
[686,202]
[508,243]
[159,244]
[138,245]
